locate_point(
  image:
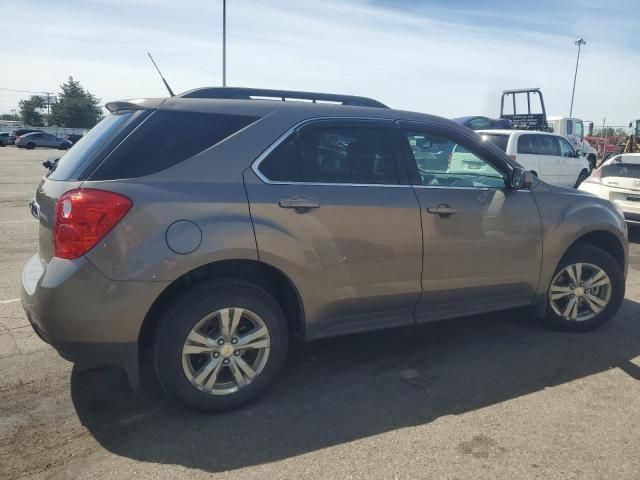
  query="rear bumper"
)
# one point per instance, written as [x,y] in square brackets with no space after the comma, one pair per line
[85,316]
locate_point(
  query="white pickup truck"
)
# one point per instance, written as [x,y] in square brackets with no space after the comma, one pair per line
[572,129]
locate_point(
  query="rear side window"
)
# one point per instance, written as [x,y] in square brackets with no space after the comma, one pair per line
[91,146]
[537,145]
[499,141]
[167,138]
[345,154]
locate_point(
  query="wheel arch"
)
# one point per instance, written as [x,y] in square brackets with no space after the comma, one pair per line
[598,237]
[271,279]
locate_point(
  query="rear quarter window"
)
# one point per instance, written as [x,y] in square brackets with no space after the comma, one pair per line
[165,139]
[499,141]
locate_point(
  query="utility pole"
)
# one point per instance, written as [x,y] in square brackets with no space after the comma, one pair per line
[224,43]
[579,43]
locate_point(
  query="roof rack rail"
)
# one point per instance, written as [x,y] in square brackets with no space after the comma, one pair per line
[236,93]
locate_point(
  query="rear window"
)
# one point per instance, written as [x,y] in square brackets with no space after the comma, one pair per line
[166,138]
[628,170]
[91,147]
[499,141]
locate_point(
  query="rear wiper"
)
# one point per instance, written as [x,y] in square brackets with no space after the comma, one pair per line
[51,163]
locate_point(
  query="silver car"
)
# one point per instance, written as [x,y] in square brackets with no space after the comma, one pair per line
[209,230]
[42,139]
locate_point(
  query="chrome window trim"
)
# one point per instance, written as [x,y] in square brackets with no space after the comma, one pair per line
[256,163]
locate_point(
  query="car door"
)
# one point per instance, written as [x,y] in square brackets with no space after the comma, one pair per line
[553,166]
[332,210]
[572,165]
[36,138]
[482,240]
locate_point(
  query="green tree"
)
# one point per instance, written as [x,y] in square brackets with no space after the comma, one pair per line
[31,111]
[76,107]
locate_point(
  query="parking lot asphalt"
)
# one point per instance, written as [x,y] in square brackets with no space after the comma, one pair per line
[485,397]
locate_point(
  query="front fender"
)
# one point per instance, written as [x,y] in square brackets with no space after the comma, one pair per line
[567,216]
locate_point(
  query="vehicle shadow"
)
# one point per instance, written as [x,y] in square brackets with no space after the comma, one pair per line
[343,389]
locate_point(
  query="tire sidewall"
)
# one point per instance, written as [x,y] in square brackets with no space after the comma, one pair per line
[187,310]
[600,258]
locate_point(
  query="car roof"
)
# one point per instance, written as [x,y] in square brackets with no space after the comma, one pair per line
[512,132]
[296,110]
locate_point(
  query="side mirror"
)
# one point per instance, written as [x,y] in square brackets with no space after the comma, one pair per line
[521,179]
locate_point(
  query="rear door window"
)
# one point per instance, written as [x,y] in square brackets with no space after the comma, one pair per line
[547,145]
[340,154]
[165,139]
[537,145]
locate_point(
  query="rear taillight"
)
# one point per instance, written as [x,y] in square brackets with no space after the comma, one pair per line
[512,157]
[83,218]
[595,177]
[17,138]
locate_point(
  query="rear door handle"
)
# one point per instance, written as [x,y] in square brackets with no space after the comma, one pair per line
[442,209]
[299,203]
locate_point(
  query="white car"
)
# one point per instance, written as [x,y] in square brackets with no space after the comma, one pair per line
[548,156]
[618,180]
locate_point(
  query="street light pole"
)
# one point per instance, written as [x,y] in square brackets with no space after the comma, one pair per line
[579,43]
[224,43]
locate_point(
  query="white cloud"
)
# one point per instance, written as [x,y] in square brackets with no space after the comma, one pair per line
[433,59]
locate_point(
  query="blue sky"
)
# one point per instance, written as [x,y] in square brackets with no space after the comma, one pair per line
[448,58]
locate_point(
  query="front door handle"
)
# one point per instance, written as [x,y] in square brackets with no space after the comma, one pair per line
[299,203]
[443,210]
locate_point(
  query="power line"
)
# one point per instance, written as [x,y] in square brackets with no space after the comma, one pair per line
[20,91]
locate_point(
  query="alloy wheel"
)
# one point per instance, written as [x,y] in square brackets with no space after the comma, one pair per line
[226,351]
[579,292]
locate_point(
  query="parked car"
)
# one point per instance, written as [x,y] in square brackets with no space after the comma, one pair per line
[549,156]
[4,139]
[207,234]
[41,139]
[480,123]
[73,138]
[618,180]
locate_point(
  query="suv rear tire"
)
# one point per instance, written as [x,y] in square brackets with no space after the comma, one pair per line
[590,280]
[209,369]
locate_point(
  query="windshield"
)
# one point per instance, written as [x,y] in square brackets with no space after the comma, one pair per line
[499,141]
[89,147]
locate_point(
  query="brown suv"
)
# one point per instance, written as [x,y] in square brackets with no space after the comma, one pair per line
[211,228]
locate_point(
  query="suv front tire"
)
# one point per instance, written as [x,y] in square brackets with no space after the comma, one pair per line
[586,290]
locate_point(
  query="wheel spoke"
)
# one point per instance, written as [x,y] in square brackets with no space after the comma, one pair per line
[197,349]
[214,376]
[558,291]
[235,321]
[572,274]
[598,301]
[237,374]
[600,283]
[568,311]
[205,371]
[595,308]
[200,339]
[597,278]
[244,366]
[224,324]
[254,338]
[578,272]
